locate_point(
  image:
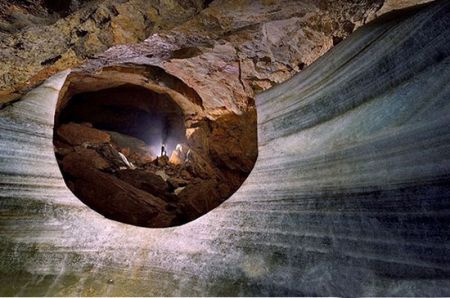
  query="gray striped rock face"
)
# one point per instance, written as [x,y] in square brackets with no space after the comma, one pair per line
[349,195]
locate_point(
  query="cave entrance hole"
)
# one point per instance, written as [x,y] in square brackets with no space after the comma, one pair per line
[108,146]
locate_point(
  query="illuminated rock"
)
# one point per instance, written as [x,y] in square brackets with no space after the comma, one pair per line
[133,148]
[180,155]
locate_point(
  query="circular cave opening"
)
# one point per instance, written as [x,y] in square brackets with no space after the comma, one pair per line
[134,156]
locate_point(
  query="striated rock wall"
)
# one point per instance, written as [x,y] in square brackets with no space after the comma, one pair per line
[349,195]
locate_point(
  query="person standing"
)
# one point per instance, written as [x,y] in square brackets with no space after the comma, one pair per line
[163,150]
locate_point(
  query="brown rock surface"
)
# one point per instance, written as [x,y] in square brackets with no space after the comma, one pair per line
[391,5]
[77,134]
[265,42]
[134,149]
[144,180]
[110,153]
[161,161]
[197,137]
[180,154]
[199,165]
[175,183]
[237,152]
[198,198]
[87,156]
[115,198]
[37,40]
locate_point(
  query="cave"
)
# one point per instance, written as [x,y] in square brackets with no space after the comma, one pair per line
[130,110]
[124,152]
[350,192]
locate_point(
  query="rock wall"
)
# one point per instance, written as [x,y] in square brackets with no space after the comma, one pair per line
[349,195]
[263,36]
[39,38]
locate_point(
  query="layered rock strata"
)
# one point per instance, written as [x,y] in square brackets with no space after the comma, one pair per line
[349,195]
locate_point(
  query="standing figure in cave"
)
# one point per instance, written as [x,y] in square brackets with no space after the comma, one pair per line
[163,150]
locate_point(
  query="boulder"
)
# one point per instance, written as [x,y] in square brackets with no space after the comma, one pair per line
[133,148]
[87,156]
[180,155]
[145,180]
[161,161]
[198,166]
[61,151]
[176,158]
[175,183]
[117,159]
[198,198]
[172,170]
[77,134]
[197,137]
[114,198]
[178,190]
[184,173]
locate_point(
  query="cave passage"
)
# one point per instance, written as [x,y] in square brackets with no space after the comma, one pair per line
[108,145]
[130,110]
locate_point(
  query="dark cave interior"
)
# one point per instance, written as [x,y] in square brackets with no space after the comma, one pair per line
[130,110]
